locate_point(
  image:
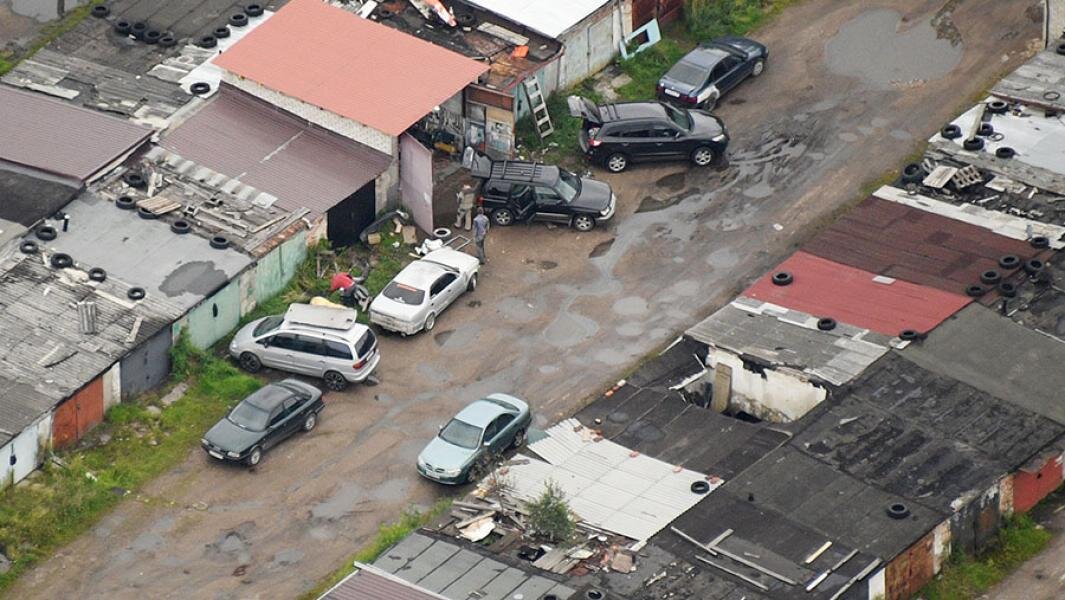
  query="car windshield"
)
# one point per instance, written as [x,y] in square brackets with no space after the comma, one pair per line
[268,324]
[404,294]
[680,117]
[248,416]
[461,434]
[569,185]
[686,72]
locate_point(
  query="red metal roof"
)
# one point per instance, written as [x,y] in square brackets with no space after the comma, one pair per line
[276,152]
[57,137]
[356,68]
[825,288]
[907,243]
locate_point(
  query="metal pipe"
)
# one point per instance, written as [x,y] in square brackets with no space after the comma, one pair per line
[691,540]
[860,576]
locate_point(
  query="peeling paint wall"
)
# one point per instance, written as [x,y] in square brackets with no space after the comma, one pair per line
[273,271]
[112,386]
[20,456]
[776,396]
[1029,488]
[213,318]
[591,44]
[940,545]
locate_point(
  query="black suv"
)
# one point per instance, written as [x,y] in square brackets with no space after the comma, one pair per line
[615,135]
[524,191]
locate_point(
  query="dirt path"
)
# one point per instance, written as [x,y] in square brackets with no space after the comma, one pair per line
[548,323]
[1042,577]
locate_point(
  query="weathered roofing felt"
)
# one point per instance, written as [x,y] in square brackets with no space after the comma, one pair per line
[989,352]
[351,66]
[788,338]
[826,288]
[304,166]
[33,123]
[910,244]
[455,572]
[26,199]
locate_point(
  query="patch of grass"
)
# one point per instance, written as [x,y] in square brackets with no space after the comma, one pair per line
[47,35]
[647,67]
[62,501]
[966,577]
[706,19]
[561,147]
[387,536]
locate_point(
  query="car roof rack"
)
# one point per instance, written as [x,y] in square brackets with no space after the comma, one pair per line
[517,170]
[325,317]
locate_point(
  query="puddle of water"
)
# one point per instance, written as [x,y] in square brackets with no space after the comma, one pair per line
[601,248]
[848,137]
[199,277]
[441,337]
[612,357]
[569,330]
[651,204]
[631,306]
[435,375]
[875,48]
[549,369]
[43,10]
[901,135]
[547,265]
[517,309]
[759,190]
[287,557]
[458,338]
[674,182]
[630,330]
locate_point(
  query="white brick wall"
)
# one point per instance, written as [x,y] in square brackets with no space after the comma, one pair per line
[378,140]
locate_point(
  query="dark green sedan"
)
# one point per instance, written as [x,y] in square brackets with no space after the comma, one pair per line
[263,420]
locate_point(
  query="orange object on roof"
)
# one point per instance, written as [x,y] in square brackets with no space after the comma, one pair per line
[358,69]
[520,52]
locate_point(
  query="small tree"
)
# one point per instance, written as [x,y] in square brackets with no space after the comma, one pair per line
[549,515]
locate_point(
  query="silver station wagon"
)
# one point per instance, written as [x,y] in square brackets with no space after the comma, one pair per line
[415,297]
[319,341]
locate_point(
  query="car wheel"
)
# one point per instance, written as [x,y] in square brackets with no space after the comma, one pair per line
[702,156]
[472,285]
[250,363]
[430,322]
[617,162]
[335,381]
[584,222]
[519,439]
[255,456]
[709,104]
[759,66]
[503,217]
[310,422]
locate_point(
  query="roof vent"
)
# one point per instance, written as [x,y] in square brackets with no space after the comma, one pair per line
[87,317]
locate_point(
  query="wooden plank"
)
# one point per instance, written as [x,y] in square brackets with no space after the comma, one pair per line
[159,205]
[1039,82]
[722,388]
[1012,168]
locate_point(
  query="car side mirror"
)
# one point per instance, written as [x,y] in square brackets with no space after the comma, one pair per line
[265,342]
[487,444]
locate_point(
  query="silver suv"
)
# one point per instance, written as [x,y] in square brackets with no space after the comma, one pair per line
[319,341]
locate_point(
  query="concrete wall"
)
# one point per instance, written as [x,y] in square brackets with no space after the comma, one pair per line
[344,126]
[591,44]
[273,271]
[779,396]
[212,319]
[1031,486]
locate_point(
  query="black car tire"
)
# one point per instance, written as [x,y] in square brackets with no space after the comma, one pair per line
[430,322]
[472,285]
[504,217]
[616,162]
[519,439]
[310,422]
[758,68]
[255,457]
[250,363]
[584,223]
[334,381]
[703,156]
[709,104]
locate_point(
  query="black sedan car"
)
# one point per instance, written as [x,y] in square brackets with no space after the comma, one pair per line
[615,135]
[706,73]
[513,191]
[263,420]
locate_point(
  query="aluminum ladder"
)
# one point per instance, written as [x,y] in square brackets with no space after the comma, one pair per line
[538,106]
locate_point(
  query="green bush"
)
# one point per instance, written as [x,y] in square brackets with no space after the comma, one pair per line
[549,515]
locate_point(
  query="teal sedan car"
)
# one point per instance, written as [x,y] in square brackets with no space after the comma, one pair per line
[467,444]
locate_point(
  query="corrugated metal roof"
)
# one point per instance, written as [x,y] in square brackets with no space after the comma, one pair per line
[789,338]
[827,288]
[276,152]
[351,66]
[371,583]
[992,353]
[606,484]
[549,17]
[33,125]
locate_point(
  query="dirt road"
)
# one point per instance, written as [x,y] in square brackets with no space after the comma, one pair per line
[559,315]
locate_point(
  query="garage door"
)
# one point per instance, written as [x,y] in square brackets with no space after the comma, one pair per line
[78,414]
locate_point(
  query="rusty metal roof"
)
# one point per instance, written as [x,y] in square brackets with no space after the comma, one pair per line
[826,288]
[33,125]
[249,140]
[353,67]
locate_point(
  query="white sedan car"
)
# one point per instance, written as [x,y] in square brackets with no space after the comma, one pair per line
[413,300]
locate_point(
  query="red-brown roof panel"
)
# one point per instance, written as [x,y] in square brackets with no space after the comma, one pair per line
[361,70]
[826,288]
[908,243]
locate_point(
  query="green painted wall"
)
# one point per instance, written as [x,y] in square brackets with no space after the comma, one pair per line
[276,269]
[215,317]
